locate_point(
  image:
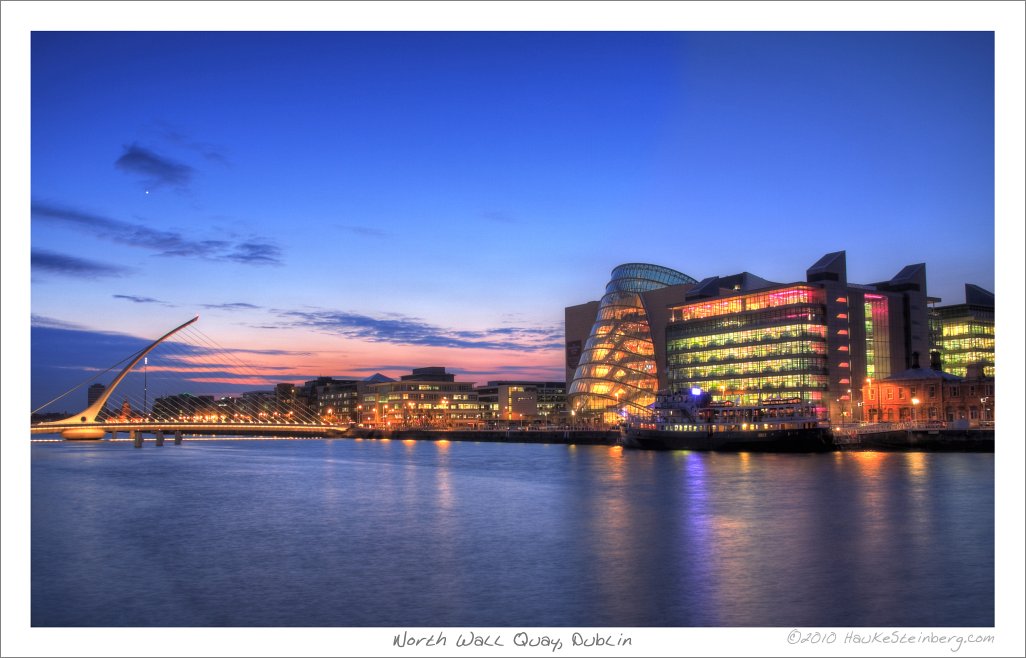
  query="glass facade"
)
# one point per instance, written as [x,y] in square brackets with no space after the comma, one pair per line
[749,348]
[617,368]
[878,341]
[967,339]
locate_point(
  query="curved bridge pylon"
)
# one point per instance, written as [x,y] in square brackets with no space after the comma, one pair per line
[87,418]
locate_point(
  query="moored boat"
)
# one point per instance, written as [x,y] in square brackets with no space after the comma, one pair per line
[692,421]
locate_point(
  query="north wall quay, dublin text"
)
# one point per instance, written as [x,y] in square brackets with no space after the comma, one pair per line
[521,639]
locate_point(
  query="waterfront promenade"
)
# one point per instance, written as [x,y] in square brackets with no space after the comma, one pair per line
[879,439]
[912,439]
[559,436]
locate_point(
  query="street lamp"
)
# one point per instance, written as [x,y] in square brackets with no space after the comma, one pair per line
[915,403]
[146,363]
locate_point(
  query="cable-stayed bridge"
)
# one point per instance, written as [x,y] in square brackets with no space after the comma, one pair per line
[186,354]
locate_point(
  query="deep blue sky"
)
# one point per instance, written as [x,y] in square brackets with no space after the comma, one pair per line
[381,201]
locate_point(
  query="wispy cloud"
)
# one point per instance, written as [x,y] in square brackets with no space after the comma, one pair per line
[231,306]
[499,217]
[156,170]
[47,322]
[164,243]
[270,352]
[210,152]
[140,300]
[557,371]
[64,265]
[365,231]
[255,253]
[413,331]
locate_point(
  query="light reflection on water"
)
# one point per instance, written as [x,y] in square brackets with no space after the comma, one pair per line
[422,533]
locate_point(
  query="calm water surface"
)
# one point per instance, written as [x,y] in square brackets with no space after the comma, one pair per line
[392,533]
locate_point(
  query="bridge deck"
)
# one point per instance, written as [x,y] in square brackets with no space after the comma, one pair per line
[192,428]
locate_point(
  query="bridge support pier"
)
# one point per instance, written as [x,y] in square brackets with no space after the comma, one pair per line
[160,437]
[136,437]
[113,435]
[178,437]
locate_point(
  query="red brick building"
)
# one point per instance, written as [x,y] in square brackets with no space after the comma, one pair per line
[924,395]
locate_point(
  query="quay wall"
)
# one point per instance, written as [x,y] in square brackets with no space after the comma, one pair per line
[566,437]
[912,440]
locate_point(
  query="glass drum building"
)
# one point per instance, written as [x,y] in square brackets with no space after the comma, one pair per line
[617,370]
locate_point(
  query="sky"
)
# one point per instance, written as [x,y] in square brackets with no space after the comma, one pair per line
[345,203]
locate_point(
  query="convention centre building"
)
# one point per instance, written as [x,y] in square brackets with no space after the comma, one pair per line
[743,339]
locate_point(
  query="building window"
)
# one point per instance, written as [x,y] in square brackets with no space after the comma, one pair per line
[954,391]
[872,394]
[973,413]
[890,393]
[912,391]
[933,391]
[901,393]
[972,391]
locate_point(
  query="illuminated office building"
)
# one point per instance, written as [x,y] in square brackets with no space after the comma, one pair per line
[964,333]
[93,394]
[525,402]
[744,339]
[427,397]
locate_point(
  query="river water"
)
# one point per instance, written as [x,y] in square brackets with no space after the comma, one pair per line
[419,533]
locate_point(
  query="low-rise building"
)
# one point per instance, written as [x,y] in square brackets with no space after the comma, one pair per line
[931,396]
[522,402]
[427,397]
